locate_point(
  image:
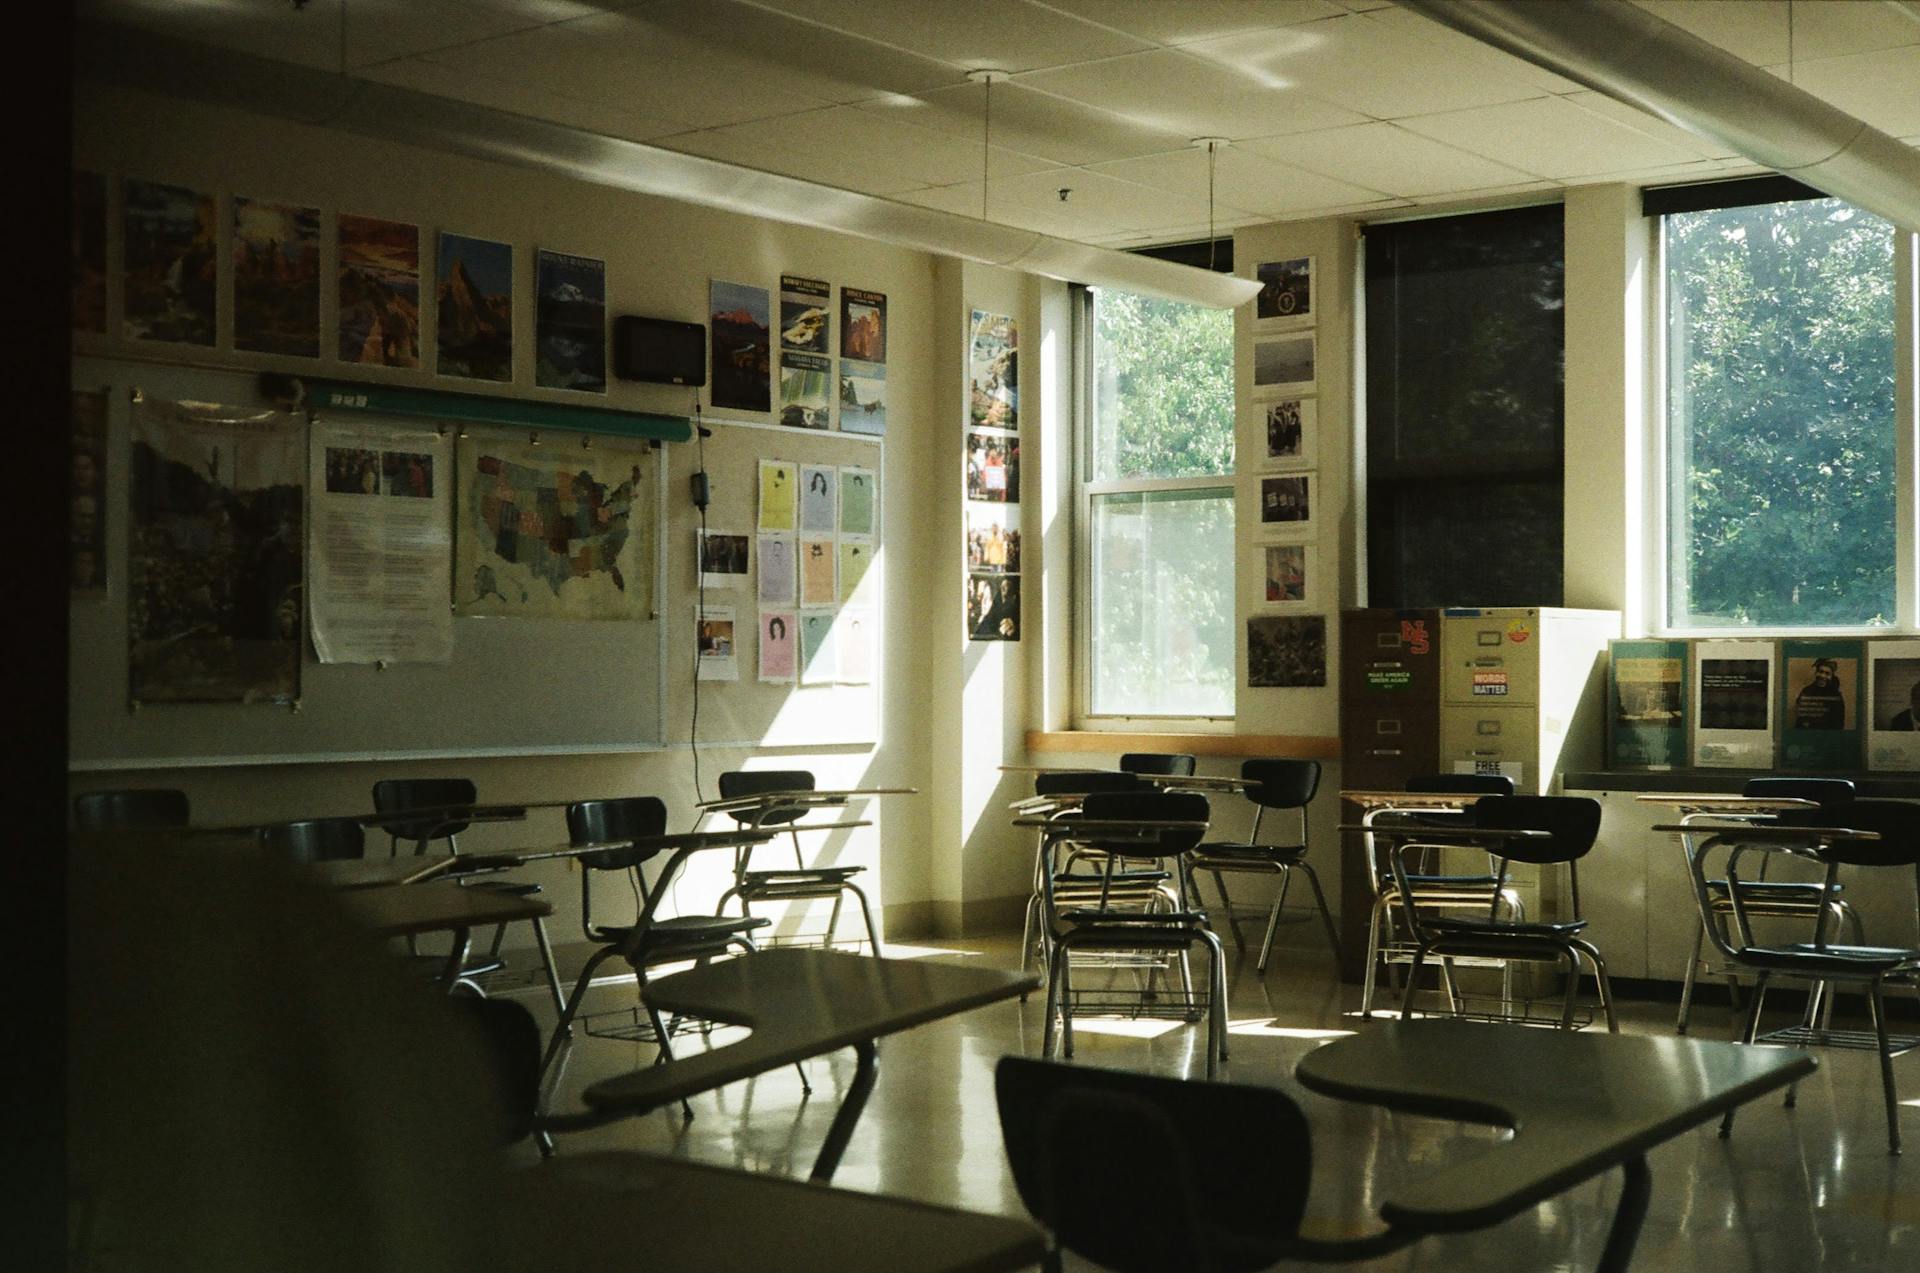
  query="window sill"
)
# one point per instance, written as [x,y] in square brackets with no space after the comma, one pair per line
[1290,746]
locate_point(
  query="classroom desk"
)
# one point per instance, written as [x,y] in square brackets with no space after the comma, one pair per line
[1578,1104]
[1364,893]
[613,1210]
[441,906]
[379,872]
[799,1003]
[1169,782]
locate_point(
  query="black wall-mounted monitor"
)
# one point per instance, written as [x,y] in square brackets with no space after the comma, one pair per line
[659,350]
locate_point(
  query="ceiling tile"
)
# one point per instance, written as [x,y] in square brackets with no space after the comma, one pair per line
[1169,90]
[1008,35]
[521,99]
[1881,89]
[1387,158]
[1495,194]
[1653,126]
[1754,31]
[752,148]
[1033,123]
[1549,136]
[1190,20]
[887,145]
[1241,180]
[1443,42]
[1063,221]
[1122,203]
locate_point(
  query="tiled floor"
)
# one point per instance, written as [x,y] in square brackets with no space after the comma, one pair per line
[1807,1188]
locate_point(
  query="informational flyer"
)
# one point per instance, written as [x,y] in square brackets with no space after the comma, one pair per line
[1647,721]
[853,646]
[819,658]
[778,572]
[1821,688]
[779,499]
[382,546]
[1893,690]
[779,643]
[719,653]
[1733,704]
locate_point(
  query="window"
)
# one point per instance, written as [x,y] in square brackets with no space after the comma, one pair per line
[1782,496]
[1155,560]
[1465,409]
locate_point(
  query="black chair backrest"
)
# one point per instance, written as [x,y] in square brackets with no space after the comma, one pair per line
[627,818]
[1163,764]
[316,839]
[1898,823]
[144,809]
[1461,784]
[1087,1144]
[1077,782]
[740,783]
[397,795]
[1281,784]
[1572,820]
[1146,806]
[1831,794]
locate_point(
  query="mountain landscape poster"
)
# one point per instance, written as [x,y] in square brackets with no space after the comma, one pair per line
[863,397]
[476,308]
[276,278]
[379,276]
[863,325]
[742,369]
[804,303]
[171,263]
[570,322]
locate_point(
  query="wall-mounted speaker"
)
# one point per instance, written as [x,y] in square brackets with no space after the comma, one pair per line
[659,350]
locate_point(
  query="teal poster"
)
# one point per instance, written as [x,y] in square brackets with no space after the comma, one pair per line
[1821,687]
[1647,697]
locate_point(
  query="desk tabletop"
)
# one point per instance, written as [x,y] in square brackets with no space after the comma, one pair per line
[1578,1103]
[379,871]
[1412,801]
[436,907]
[799,1003]
[1709,802]
[636,1210]
[696,840]
[1073,824]
[1747,833]
[1464,835]
[800,798]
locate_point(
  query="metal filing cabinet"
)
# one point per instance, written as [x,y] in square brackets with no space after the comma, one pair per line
[1389,697]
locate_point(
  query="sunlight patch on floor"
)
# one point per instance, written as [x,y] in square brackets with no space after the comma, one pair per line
[1267,1029]
[1137,1029]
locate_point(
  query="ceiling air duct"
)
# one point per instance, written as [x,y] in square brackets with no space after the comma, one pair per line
[1623,51]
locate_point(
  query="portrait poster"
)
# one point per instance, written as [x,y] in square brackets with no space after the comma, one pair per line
[171,263]
[993,372]
[993,539]
[551,532]
[1822,686]
[1292,577]
[1286,505]
[779,495]
[856,555]
[818,573]
[1647,722]
[863,397]
[569,322]
[863,325]
[859,500]
[737,321]
[1286,289]
[779,646]
[779,574]
[1284,652]
[723,558]
[853,646]
[1893,688]
[379,280]
[993,467]
[806,381]
[716,651]
[476,308]
[819,500]
[276,278]
[1285,364]
[216,553]
[819,657]
[381,550]
[1293,427]
[993,607]
[87,496]
[805,309]
[88,228]
[1733,708]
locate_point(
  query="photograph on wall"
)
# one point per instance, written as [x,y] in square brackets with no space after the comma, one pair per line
[819,503]
[856,555]
[1647,727]
[779,574]
[717,655]
[1285,364]
[408,474]
[779,646]
[993,607]
[1286,503]
[569,322]
[738,322]
[993,539]
[476,308]
[1733,694]
[805,305]
[993,371]
[379,277]
[170,264]
[993,468]
[806,397]
[723,559]
[1893,686]
[1821,685]
[863,397]
[1292,582]
[863,325]
[859,500]
[87,495]
[819,658]
[818,584]
[1284,652]
[276,278]
[1733,687]
[550,532]
[216,554]
[1286,289]
[1292,429]
[853,643]
[779,501]
[88,229]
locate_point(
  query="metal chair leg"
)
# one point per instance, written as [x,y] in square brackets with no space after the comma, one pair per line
[546,961]
[1226,908]
[866,914]
[1413,982]
[1371,974]
[1686,983]
[1326,914]
[1751,1033]
[1602,985]
[1273,918]
[1878,1007]
[1053,999]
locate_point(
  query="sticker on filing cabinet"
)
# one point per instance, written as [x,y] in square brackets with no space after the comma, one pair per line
[1413,634]
[1518,631]
[1388,676]
[1500,768]
[1489,684]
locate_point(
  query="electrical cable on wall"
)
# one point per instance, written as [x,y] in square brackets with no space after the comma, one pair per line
[700,501]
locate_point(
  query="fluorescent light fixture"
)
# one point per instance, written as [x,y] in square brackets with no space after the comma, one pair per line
[179,68]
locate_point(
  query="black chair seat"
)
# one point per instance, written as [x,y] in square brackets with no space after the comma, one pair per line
[686,930]
[1474,928]
[1164,919]
[1803,957]
[1762,891]
[1230,851]
[1069,879]
[804,875]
